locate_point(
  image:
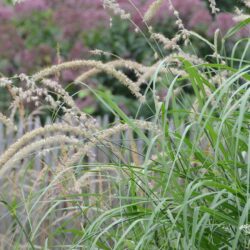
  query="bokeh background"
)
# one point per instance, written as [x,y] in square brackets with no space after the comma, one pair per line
[39,33]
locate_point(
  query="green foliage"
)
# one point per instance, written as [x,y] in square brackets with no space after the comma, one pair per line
[189,189]
[199,195]
[30,29]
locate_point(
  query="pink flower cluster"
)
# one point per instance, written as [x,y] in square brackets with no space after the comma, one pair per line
[224,21]
[28,6]
[193,12]
[72,18]
[6,13]
[76,16]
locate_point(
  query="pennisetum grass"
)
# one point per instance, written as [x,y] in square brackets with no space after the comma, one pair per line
[188,189]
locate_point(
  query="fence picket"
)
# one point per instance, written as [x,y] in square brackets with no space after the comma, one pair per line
[37,163]
[100,153]
[120,150]
[2,138]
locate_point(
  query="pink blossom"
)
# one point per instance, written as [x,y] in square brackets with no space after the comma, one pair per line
[6,13]
[192,12]
[28,6]
[200,18]
[78,51]
[223,21]
[10,41]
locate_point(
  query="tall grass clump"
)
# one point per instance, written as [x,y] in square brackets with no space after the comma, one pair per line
[189,187]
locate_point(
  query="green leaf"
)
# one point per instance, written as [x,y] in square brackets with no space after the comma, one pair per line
[236,28]
[219,216]
[108,99]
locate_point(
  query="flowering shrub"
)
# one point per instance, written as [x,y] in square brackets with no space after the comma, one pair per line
[39,33]
[65,22]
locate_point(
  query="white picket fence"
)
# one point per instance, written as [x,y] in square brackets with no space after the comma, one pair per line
[131,147]
[132,151]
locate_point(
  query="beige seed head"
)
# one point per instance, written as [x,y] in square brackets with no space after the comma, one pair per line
[151,11]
